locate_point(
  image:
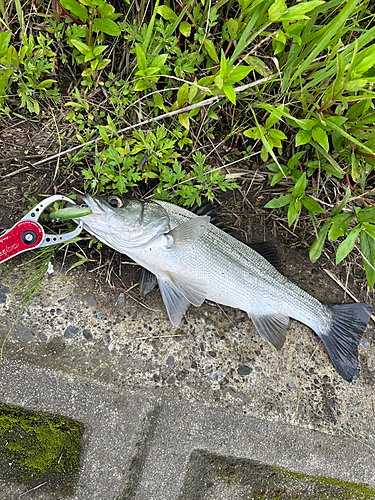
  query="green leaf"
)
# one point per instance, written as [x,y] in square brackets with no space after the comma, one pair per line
[279,202]
[211,51]
[183,95]
[82,47]
[159,61]
[367,246]
[347,245]
[232,26]
[238,74]
[317,247]
[4,42]
[277,134]
[193,91]
[183,118]
[167,13]
[369,229]
[45,84]
[364,60]
[106,26]
[338,209]
[320,136]
[340,225]
[299,188]
[158,100]
[294,160]
[230,93]
[223,65]
[76,9]
[141,57]
[366,215]
[297,11]
[185,28]
[312,205]
[354,85]
[303,137]
[293,211]
[276,10]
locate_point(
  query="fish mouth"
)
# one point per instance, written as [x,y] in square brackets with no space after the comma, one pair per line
[94,204]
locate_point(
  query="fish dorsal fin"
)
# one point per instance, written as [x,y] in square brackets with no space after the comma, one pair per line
[174,301]
[194,290]
[267,250]
[148,282]
[271,327]
[189,231]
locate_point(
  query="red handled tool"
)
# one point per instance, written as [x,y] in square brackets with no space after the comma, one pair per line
[28,233]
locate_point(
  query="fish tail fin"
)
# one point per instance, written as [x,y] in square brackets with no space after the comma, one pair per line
[348,323]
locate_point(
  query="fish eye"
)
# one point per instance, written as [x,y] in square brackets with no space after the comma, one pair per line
[115,201]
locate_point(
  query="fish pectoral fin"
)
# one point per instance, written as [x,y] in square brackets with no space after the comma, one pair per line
[271,327]
[174,302]
[194,290]
[148,282]
[189,231]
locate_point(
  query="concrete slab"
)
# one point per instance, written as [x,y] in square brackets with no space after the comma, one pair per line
[111,421]
[149,394]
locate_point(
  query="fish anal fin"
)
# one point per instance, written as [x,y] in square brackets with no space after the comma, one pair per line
[194,290]
[271,327]
[174,302]
[189,231]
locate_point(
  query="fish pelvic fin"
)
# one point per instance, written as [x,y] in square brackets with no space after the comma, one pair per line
[348,323]
[271,327]
[148,282]
[174,301]
[189,231]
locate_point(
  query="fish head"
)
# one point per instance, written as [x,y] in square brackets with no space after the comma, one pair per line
[124,223]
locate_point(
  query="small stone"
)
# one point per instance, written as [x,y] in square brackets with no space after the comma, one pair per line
[71,331]
[87,334]
[291,383]
[244,370]
[171,380]
[77,296]
[100,315]
[170,360]
[42,336]
[212,354]
[133,313]
[25,333]
[3,294]
[90,301]
[365,343]
[120,300]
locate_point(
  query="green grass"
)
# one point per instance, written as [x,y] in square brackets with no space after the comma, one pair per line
[288,84]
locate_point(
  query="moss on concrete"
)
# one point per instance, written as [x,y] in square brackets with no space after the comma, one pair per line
[39,448]
[245,479]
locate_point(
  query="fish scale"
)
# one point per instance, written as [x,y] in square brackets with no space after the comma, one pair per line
[193,260]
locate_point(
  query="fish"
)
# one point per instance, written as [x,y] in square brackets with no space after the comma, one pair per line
[194,261]
[267,249]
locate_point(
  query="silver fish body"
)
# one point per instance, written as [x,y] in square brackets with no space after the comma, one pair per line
[193,260]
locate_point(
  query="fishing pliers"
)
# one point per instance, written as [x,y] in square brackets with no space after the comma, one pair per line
[28,233]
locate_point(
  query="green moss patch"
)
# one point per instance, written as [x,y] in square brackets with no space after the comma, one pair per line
[39,448]
[209,475]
